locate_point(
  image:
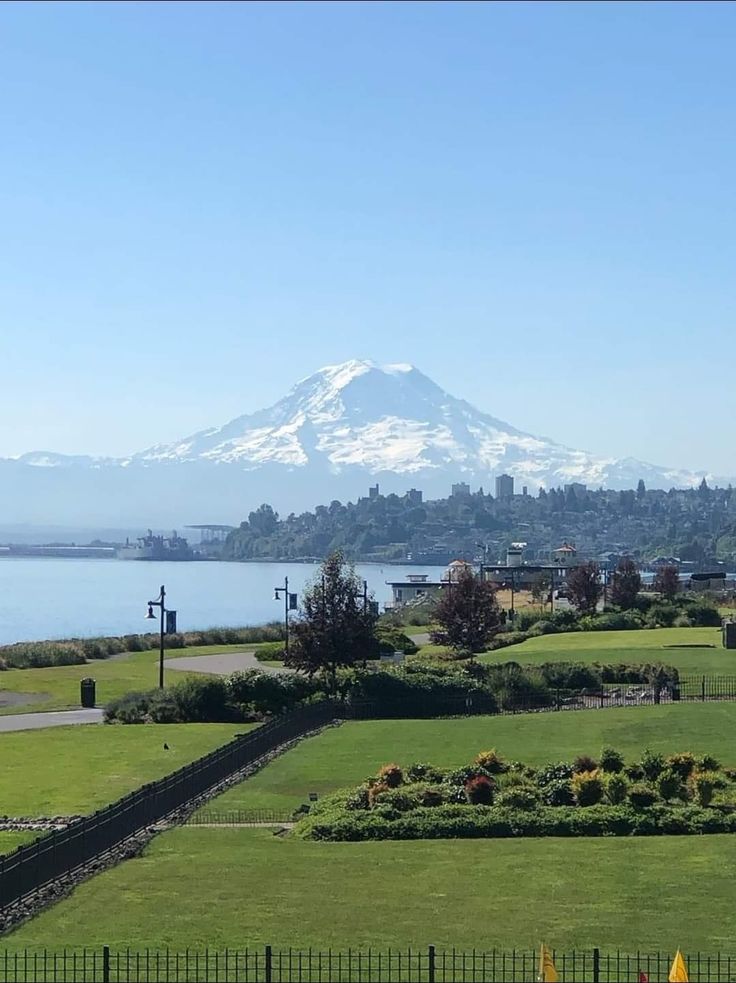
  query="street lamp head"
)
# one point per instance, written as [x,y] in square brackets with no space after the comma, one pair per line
[150,616]
[275,593]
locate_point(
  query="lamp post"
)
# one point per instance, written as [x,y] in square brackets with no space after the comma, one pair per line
[165,626]
[484,547]
[289,605]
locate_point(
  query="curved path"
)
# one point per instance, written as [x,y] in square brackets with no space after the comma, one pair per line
[224,664]
[57,718]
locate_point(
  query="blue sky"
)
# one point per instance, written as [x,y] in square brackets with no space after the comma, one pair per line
[533,203]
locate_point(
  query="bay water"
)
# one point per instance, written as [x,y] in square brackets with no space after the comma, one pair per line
[44,597]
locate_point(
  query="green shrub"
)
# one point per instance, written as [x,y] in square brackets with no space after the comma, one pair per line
[669,784]
[398,799]
[634,772]
[202,700]
[522,796]
[392,640]
[611,760]
[641,795]
[612,621]
[132,708]
[133,643]
[617,788]
[163,708]
[708,763]
[570,675]
[270,652]
[661,615]
[432,797]
[704,784]
[419,772]
[558,793]
[652,763]
[559,771]
[588,787]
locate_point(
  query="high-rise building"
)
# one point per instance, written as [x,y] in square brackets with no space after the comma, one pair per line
[504,486]
[414,496]
[373,491]
[460,490]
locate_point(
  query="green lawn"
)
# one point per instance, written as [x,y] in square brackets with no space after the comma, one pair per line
[627,646]
[70,770]
[234,887]
[347,754]
[59,686]
[10,839]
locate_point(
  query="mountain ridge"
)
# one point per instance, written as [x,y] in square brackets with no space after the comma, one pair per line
[332,433]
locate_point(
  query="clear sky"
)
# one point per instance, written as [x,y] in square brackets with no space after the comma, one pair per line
[533,203]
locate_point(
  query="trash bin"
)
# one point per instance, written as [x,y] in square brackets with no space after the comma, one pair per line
[87,692]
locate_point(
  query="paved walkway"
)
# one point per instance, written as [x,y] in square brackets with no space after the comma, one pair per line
[58,718]
[224,664]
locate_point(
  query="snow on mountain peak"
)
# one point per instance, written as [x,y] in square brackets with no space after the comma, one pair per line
[392,418]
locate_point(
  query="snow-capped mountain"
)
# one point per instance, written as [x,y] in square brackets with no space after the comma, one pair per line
[336,430]
[392,418]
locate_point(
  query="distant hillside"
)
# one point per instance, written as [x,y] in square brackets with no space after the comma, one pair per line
[697,525]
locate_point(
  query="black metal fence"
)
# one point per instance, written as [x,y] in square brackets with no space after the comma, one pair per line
[418,965]
[61,851]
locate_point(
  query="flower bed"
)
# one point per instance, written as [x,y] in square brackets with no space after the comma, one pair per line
[490,797]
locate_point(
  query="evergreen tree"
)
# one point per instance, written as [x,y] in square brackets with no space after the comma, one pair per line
[584,585]
[625,584]
[467,613]
[337,623]
[641,490]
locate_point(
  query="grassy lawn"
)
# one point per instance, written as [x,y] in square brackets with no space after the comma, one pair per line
[235,887]
[10,840]
[646,645]
[71,770]
[59,686]
[347,754]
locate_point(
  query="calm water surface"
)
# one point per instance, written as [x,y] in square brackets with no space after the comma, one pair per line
[57,598]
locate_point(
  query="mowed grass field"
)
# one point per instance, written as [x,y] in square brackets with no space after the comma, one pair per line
[645,645]
[197,887]
[63,771]
[57,688]
[347,754]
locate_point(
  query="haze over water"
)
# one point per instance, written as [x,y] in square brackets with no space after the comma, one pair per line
[58,598]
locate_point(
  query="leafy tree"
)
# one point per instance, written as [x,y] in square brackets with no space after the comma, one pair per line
[264,521]
[467,613]
[625,584]
[667,581]
[336,627]
[584,585]
[641,490]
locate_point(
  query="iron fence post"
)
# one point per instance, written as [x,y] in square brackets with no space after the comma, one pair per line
[431,963]
[596,965]
[106,964]
[269,964]
[702,689]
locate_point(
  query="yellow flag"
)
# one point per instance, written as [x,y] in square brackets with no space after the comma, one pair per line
[547,971]
[678,970]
